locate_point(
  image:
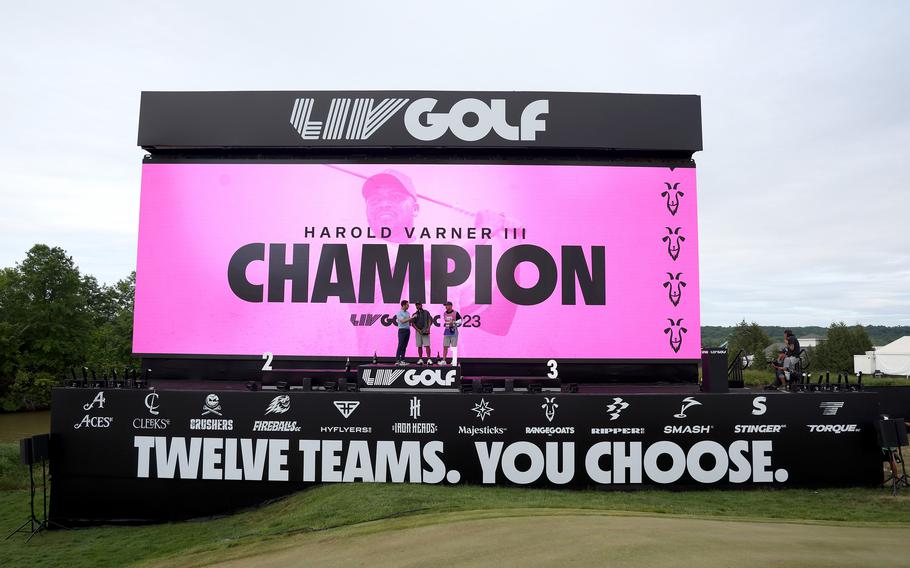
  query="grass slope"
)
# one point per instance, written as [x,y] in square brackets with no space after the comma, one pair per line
[334,506]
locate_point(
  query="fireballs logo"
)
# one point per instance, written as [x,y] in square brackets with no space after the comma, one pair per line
[468,119]
[279,405]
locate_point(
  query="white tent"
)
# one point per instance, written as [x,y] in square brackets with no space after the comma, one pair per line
[892,359]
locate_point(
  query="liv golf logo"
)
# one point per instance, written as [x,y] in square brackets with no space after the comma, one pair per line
[469,119]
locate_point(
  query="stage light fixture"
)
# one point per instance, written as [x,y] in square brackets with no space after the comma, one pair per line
[535,388]
[252,386]
[486,388]
[282,385]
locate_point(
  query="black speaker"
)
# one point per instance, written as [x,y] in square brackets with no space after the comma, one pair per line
[41,447]
[714,370]
[891,432]
[25,451]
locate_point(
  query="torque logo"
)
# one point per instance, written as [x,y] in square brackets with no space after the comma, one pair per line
[616,408]
[830,408]
[346,407]
[687,403]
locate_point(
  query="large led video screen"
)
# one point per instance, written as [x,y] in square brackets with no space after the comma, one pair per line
[312,260]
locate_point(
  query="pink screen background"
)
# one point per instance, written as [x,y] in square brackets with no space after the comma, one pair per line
[193,218]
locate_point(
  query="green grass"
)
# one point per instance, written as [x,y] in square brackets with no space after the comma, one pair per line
[754,378]
[331,506]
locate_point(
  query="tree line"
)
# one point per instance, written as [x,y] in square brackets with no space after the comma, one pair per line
[834,354]
[53,317]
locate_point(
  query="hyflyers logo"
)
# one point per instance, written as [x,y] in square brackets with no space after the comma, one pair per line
[469,119]
[279,405]
[346,407]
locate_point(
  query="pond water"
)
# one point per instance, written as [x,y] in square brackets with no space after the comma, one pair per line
[16,425]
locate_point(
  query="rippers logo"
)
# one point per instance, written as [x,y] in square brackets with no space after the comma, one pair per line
[616,408]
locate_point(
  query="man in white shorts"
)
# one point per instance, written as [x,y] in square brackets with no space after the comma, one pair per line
[451,321]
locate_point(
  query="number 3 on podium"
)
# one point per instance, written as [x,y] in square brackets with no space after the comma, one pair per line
[554,372]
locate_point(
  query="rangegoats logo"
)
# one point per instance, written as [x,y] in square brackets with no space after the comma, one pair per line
[360,118]
[674,287]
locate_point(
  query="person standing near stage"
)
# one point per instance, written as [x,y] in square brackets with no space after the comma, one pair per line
[422,322]
[790,362]
[404,332]
[451,321]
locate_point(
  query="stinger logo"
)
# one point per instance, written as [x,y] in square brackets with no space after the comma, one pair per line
[616,408]
[279,405]
[687,403]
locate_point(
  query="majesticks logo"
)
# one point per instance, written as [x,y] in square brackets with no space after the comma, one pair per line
[468,119]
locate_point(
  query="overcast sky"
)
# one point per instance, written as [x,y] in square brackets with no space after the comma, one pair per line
[806,114]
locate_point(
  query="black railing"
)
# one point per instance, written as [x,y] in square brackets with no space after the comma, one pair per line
[735,370]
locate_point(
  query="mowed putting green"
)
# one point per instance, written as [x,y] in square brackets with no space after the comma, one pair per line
[547,537]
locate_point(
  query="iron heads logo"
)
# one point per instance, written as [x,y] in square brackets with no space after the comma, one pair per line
[468,119]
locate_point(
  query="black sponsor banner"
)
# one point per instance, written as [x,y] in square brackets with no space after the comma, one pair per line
[140,455]
[419,119]
[410,377]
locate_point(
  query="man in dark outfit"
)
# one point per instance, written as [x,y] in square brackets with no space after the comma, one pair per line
[422,322]
[792,358]
[403,319]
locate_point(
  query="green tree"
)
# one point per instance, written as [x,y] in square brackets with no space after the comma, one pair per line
[111,342]
[44,301]
[836,353]
[748,337]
